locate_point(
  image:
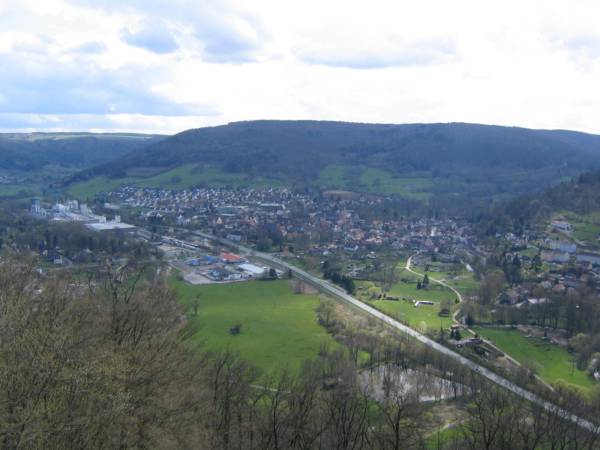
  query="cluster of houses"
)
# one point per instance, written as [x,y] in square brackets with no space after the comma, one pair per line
[563,252]
[316,224]
[199,206]
[550,283]
[568,267]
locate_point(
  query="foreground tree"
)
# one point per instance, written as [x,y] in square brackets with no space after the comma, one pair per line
[92,366]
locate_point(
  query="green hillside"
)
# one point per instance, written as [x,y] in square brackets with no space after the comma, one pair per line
[453,165]
[443,163]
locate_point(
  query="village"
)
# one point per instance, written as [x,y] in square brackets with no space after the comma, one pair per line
[333,224]
[280,220]
[336,224]
[428,273]
[559,264]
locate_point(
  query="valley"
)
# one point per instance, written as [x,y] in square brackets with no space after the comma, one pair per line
[231,225]
[335,270]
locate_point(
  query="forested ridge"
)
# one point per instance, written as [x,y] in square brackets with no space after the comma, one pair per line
[27,152]
[300,149]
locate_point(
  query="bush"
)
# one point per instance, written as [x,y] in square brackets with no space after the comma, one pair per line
[236,329]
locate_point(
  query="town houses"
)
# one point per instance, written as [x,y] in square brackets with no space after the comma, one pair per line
[281,219]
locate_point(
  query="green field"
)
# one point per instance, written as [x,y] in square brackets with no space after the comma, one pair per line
[87,189]
[586,226]
[384,182]
[530,252]
[279,328]
[552,362]
[9,190]
[374,180]
[586,232]
[462,280]
[425,317]
[179,178]
[333,177]
[190,175]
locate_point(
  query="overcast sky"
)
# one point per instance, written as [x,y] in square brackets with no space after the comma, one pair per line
[168,65]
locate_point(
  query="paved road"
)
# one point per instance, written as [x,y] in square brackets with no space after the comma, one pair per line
[340,294]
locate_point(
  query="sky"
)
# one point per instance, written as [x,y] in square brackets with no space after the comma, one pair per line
[163,66]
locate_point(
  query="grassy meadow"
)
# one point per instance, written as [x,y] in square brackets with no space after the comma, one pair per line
[424,317]
[279,328]
[553,363]
[462,280]
[375,181]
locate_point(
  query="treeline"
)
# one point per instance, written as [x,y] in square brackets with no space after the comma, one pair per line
[333,272]
[105,362]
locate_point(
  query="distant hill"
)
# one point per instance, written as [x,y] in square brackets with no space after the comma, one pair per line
[32,151]
[423,160]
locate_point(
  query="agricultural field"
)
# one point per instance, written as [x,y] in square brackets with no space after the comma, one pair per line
[375,181]
[333,177]
[179,178]
[384,182]
[551,362]
[415,185]
[278,328]
[88,189]
[188,175]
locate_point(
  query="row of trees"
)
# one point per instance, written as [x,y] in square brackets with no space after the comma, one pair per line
[334,274]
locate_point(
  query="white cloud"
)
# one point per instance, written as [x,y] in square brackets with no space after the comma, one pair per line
[168,65]
[388,51]
[89,48]
[153,36]
[45,84]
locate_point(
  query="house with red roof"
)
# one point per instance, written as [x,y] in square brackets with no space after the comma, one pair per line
[231,258]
